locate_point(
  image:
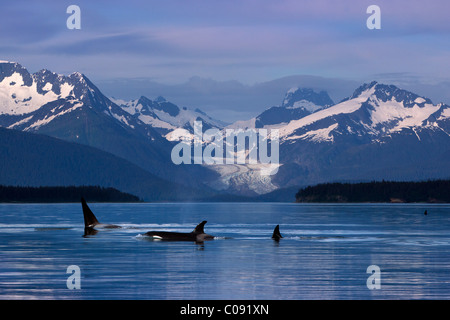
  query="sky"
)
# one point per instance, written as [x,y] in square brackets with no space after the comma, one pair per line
[222,56]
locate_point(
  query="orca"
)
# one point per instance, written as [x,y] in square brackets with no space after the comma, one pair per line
[197,235]
[90,221]
[276,233]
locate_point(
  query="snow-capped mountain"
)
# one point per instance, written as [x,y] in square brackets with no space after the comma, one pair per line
[307,99]
[30,101]
[297,103]
[72,108]
[166,117]
[375,111]
[378,132]
[22,93]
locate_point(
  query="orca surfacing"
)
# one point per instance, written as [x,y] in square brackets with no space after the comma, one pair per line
[91,224]
[90,221]
[276,234]
[197,235]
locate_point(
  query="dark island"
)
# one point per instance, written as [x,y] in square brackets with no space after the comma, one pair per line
[14,194]
[433,191]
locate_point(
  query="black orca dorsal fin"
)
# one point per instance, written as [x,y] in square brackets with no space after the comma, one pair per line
[276,233]
[199,228]
[89,218]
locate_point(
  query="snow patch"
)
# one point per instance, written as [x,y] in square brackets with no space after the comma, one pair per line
[179,134]
[66,90]
[445,114]
[48,119]
[20,122]
[407,117]
[48,86]
[156,122]
[416,116]
[20,99]
[419,100]
[120,118]
[308,105]
[319,135]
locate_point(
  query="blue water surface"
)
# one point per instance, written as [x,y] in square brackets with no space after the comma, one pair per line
[324,254]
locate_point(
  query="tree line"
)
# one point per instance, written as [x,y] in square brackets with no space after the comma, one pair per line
[11,194]
[432,191]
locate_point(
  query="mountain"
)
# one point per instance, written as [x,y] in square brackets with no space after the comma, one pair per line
[232,100]
[166,117]
[246,179]
[36,160]
[72,108]
[297,103]
[307,98]
[374,112]
[379,132]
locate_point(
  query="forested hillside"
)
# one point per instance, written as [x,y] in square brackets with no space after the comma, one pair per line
[437,191]
[63,194]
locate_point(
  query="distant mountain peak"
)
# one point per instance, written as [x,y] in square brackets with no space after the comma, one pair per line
[145,102]
[165,116]
[43,71]
[12,63]
[363,88]
[297,103]
[160,99]
[77,75]
[307,98]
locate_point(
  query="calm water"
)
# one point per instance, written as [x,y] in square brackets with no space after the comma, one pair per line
[324,254]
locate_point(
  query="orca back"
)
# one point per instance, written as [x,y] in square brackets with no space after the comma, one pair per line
[89,218]
[200,227]
[276,233]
